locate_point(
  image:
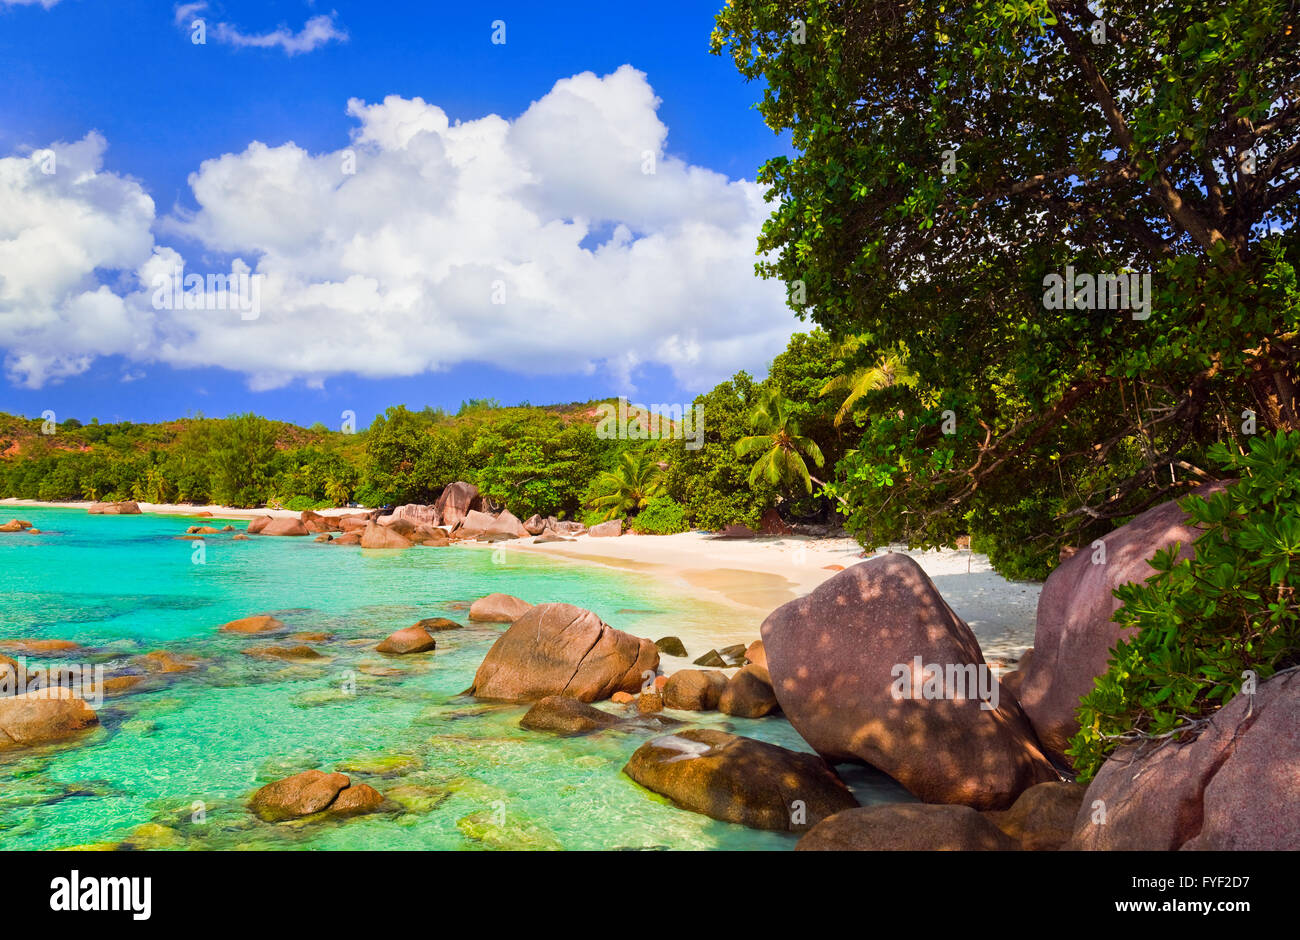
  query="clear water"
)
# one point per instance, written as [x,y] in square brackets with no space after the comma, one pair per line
[205,740]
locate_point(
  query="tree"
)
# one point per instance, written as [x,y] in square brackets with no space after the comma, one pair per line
[889,369]
[782,445]
[244,445]
[629,487]
[952,158]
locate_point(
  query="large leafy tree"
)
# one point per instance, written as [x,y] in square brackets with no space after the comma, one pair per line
[951,156]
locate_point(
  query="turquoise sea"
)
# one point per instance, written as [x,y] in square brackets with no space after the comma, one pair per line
[175,759]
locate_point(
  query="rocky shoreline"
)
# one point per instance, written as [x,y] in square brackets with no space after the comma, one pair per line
[862,668]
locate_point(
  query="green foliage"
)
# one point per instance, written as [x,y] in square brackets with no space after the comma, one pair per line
[628,488]
[662,515]
[781,446]
[241,458]
[532,462]
[1204,622]
[1081,411]
[712,482]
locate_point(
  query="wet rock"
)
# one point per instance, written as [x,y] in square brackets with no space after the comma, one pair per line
[42,715]
[260,623]
[409,640]
[378,536]
[561,714]
[559,649]
[739,779]
[694,689]
[671,646]
[712,659]
[498,608]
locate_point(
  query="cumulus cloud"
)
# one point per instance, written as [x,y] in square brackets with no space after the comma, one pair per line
[315,33]
[565,240]
[64,225]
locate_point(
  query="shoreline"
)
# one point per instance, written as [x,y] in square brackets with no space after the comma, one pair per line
[751,576]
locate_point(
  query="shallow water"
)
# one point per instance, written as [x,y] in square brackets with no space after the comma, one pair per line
[175,759]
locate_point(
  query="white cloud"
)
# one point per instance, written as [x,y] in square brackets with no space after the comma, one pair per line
[27,3]
[315,33]
[60,232]
[392,270]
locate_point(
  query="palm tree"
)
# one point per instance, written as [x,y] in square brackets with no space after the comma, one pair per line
[890,369]
[627,488]
[784,448]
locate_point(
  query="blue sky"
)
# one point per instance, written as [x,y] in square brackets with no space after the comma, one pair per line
[617,281]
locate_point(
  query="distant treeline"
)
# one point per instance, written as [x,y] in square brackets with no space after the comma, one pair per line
[547,460]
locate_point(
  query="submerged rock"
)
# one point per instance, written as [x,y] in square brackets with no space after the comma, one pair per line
[259,623]
[42,715]
[414,639]
[310,792]
[561,714]
[740,780]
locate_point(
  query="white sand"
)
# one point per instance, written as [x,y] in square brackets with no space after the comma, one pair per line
[763,573]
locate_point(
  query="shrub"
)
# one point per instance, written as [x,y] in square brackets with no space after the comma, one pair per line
[663,515]
[1207,623]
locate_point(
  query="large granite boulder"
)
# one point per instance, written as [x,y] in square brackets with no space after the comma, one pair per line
[610,529]
[382,536]
[906,827]
[535,525]
[257,524]
[559,649]
[417,513]
[125,507]
[42,715]
[773,524]
[1074,632]
[498,608]
[1235,786]
[456,501]
[285,527]
[475,524]
[841,660]
[740,780]
[507,525]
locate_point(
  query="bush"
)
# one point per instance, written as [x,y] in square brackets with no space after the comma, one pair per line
[1204,622]
[663,515]
[299,503]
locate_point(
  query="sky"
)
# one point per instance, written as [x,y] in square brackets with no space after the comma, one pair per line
[384,203]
